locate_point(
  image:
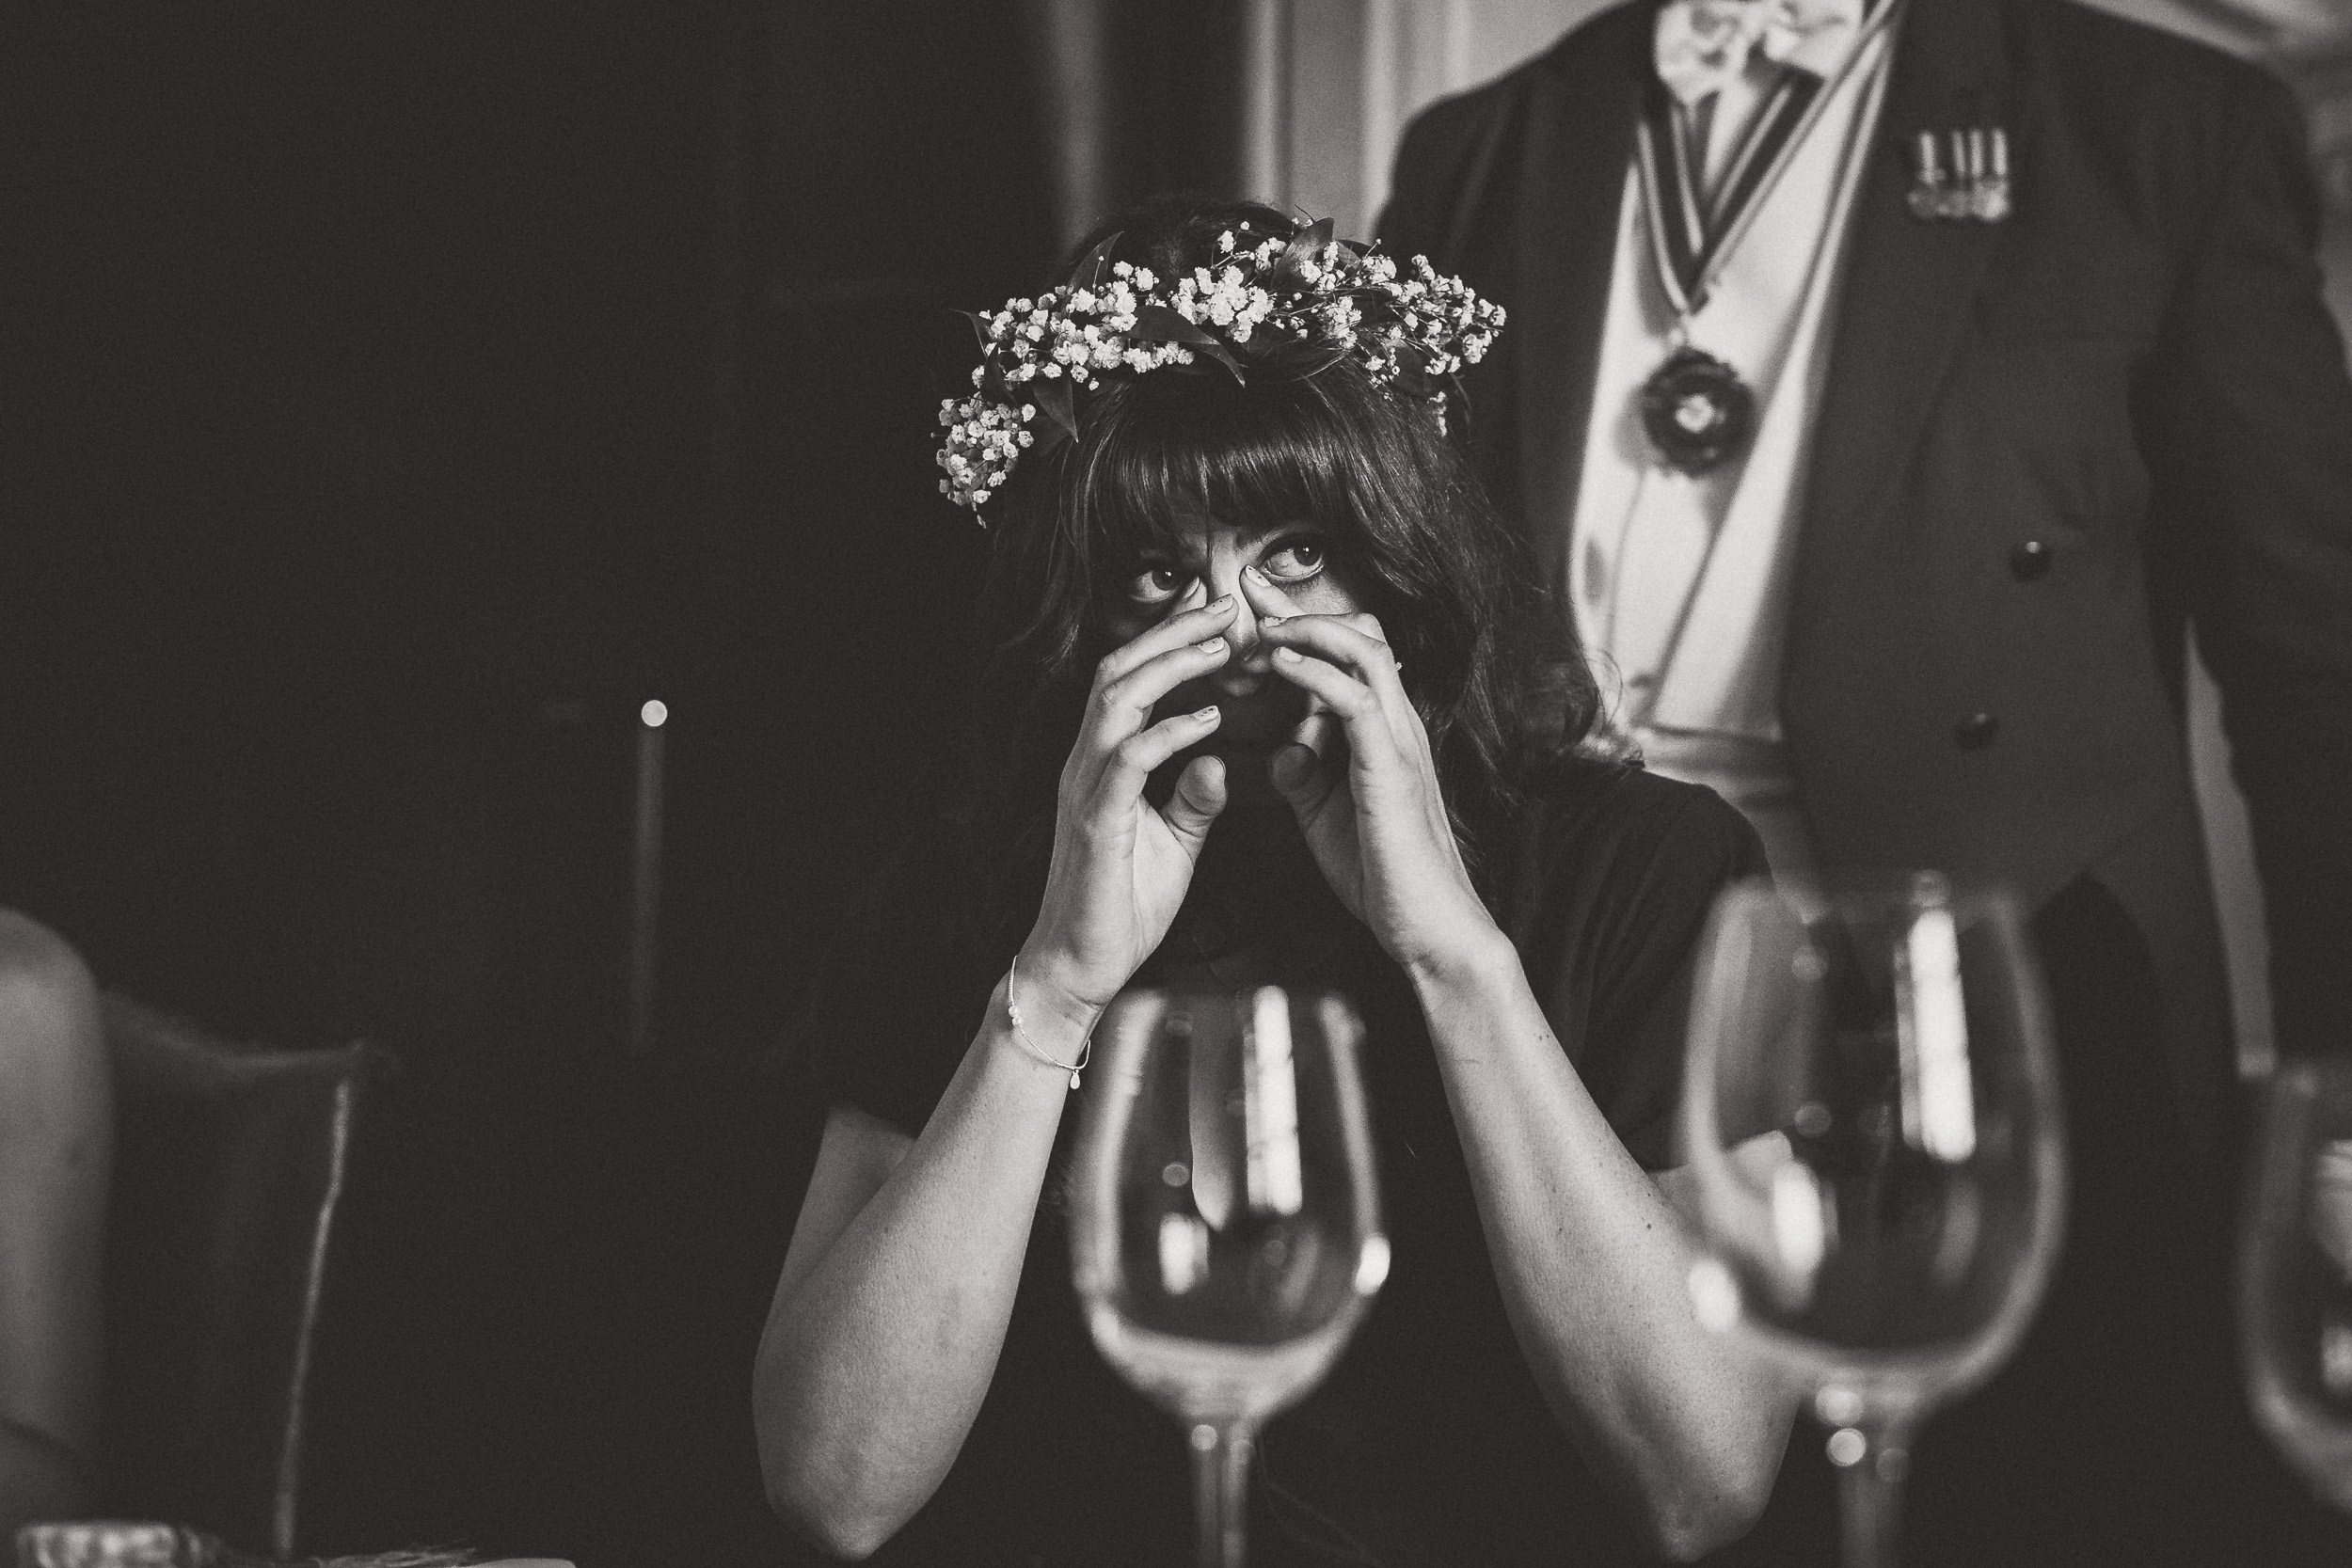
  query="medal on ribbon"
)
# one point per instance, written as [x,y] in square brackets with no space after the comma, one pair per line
[1696,412]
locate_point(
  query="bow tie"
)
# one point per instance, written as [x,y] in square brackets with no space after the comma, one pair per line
[1702,45]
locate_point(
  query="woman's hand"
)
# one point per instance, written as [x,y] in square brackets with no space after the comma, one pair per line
[1360,777]
[1121,865]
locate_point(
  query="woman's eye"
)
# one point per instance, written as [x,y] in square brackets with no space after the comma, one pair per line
[1294,561]
[1158,584]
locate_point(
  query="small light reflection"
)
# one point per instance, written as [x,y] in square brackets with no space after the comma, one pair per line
[1800,1225]
[1932,1031]
[1837,1406]
[1184,1253]
[2335,1359]
[1270,1107]
[2331,1215]
[654,714]
[1372,1264]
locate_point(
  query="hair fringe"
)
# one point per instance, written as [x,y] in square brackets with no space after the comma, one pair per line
[1500,683]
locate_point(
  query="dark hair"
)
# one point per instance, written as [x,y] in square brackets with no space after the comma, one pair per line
[1499,682]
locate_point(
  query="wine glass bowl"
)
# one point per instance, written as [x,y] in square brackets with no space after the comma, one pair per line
[1873,1128]
[2295,1276]
[1226,1235]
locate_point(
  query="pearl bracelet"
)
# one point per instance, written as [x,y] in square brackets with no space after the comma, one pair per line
[1085,1050]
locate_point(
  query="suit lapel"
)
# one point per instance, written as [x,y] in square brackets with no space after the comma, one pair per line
[1910,287]
[1580,142]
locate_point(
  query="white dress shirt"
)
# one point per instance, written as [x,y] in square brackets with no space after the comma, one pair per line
[1680,584]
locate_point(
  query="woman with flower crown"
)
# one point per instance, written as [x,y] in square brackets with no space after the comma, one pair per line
[1265,697]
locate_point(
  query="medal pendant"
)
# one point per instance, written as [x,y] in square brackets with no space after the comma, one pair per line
[1696,412]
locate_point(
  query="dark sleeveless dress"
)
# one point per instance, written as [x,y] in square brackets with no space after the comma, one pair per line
[1429,1443]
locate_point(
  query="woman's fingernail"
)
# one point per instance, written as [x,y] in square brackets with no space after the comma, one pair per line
[1254,575]
[1288,656]
[1223,601]
[1209,712]
[1210,645]
[1272,619]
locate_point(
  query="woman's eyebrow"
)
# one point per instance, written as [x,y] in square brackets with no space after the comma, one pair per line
[1186,547]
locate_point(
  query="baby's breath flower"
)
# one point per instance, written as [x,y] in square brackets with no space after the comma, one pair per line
[1427,326]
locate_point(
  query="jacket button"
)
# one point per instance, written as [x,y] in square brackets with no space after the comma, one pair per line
[2030,561]
[1975,732]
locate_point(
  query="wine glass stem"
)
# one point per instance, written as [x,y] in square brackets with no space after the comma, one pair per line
[1870,1496]
[1220,1481]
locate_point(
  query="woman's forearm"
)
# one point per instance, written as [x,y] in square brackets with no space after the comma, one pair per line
[1594,1266]
[876,1358]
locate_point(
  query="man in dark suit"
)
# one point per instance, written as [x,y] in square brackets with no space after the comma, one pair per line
[2047,435]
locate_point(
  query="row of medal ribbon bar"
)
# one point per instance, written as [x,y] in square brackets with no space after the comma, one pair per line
[1971,184]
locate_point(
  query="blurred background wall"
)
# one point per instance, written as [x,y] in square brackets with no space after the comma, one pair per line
[399,395]
[401,392]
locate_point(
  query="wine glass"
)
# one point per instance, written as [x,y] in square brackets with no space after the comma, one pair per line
[1225,1223]
[2294,1274]
[1871,1111]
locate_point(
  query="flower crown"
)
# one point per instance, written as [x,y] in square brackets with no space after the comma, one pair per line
[1035,356]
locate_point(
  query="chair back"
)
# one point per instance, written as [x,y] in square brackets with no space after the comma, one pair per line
[229,1162]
